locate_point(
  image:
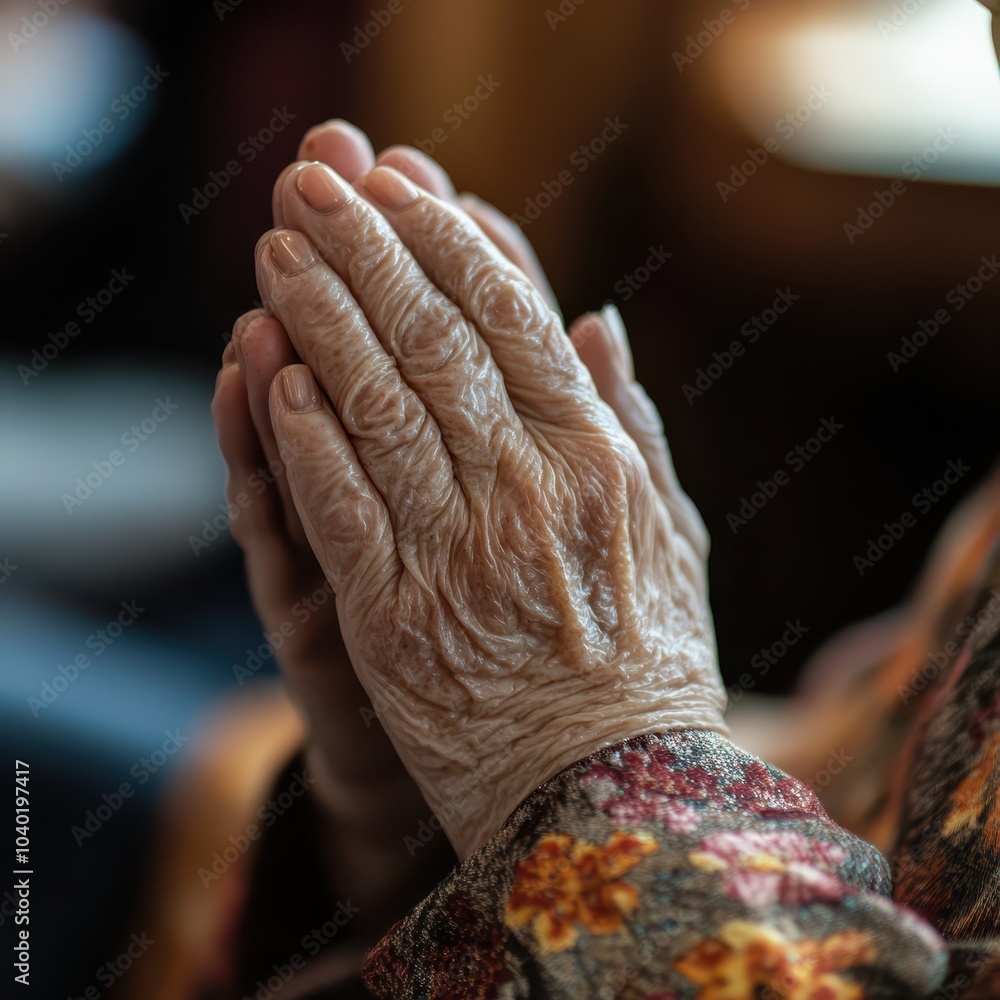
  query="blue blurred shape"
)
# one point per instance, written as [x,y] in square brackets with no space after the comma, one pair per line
[77,91]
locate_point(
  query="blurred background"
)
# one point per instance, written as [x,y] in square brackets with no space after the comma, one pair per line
[839,159]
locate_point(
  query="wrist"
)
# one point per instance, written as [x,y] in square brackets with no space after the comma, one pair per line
[518,759]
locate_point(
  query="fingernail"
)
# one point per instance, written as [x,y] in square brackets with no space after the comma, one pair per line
[322,189]
[391,189]
[406,164]
[616,327]
[301,390]
[292,252]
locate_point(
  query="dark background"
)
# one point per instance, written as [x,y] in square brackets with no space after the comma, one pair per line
[655,186]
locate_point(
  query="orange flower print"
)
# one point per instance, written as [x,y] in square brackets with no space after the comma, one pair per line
[566,882]
[747,957]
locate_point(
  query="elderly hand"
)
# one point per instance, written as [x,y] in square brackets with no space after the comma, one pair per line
[359,772]
[512,590]
[602,345]
[371,804]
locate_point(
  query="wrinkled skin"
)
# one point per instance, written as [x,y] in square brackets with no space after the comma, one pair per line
[512,589]
[371,802]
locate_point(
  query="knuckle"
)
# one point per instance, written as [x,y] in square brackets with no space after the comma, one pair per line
[343,518]
[376,257]
[505,303]
[346,523]
[431,335]
[605,472]
[377,407]
[621,465]
[331,326]
[440,225]
[379,265]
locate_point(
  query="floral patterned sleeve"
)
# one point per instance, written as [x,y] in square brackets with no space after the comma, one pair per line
[673,866]
[676,866]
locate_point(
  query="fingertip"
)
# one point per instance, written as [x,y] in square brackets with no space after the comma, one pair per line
[299,389]
[480,209]
[279,193]
[596,348]
[239,328]
[265,345]
[277,400]
[420,168]
[277,206]
[339,145]
[225,379]
[585,328]
[612,319]
[247,339]
[263,242]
